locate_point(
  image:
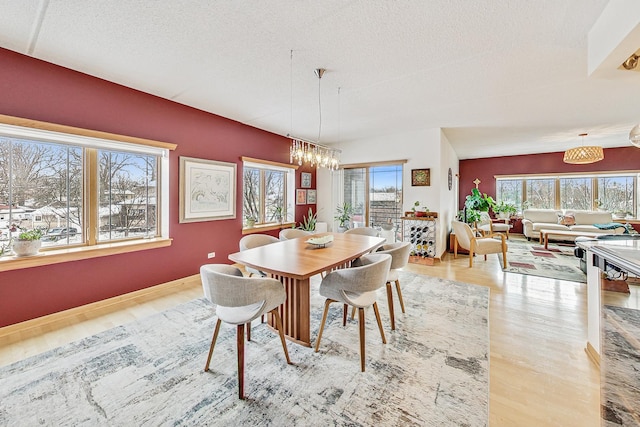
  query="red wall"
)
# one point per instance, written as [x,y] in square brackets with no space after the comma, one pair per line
[39,90]
[625,158]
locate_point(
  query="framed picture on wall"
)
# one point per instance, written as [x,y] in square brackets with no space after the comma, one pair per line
[305,180]
[301,197]
[311,197]
[207,190]
[420,177]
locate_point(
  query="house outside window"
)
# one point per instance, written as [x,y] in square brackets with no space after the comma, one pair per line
[128,195]
[375,194]
[79,190]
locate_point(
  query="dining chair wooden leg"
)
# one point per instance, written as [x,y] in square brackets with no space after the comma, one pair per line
[504,258]
[390,304]
[324,319]
[377,313]
[400,295]
[344,315]
[241,361]
[248,331]
[362,337]
[281,333]
[353,313]
[213,343]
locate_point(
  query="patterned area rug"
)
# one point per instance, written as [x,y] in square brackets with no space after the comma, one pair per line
[433,371]
[530,257]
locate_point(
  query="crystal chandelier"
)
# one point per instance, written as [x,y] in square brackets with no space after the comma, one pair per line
[313,153]
[584,154]
[302,151]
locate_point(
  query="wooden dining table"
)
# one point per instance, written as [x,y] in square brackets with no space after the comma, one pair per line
[294,262]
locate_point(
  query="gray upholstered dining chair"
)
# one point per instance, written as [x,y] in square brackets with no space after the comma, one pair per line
[251,241]
[357,287]
[293,233]
[399,259]
[239,300]
[466,239]
[365,231]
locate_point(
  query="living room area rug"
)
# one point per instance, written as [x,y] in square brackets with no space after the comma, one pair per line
[531,258]
[433,371]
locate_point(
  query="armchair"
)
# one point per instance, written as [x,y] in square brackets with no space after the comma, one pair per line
[466,239]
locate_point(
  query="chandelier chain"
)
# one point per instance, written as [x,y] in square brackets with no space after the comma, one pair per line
[313,153]
[319,105]
[291,92]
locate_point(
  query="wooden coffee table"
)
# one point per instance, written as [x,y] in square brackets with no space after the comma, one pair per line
[544,235]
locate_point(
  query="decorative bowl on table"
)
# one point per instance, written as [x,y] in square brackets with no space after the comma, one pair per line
[320,242]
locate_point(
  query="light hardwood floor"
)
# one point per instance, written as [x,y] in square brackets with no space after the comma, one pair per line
[540,374]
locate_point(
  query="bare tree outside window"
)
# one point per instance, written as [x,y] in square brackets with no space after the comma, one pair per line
[615,194]
[268,193]
[541,193]
[66,185]
[41,187]
[274,194]
[576,194]
[264,194]
[127,195]
[510,191]
[251,193]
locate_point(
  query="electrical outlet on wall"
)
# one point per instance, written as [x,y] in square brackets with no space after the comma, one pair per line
[211,255]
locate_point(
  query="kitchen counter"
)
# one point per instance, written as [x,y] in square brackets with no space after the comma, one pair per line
[619,254]
[614,332]
[623,254]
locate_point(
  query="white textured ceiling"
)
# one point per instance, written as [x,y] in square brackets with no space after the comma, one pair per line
[501,77]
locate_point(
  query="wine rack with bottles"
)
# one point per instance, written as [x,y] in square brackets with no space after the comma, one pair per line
[421,233]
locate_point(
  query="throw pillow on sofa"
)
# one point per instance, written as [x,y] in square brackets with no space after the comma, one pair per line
[567,219]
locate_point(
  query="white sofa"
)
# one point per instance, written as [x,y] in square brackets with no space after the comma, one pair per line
[534,220]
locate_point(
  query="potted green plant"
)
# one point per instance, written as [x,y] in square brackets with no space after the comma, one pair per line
[422,212]
[470,216]
[28,242]
[343,217]
[504,209]
[278,214]
[475,203]
[250,221]
[309,222]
